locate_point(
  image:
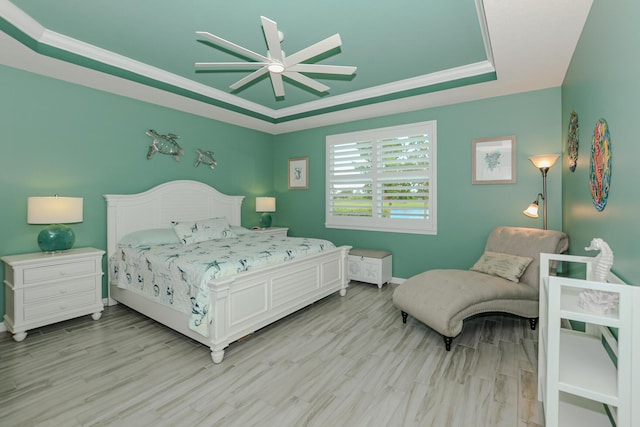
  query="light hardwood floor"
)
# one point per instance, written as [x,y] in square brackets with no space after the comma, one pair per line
[340,362]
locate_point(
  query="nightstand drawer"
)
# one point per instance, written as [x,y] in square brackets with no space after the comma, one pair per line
[58,271]
[59,305]
[63,289]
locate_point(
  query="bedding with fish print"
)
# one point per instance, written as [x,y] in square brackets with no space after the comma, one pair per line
[177,274]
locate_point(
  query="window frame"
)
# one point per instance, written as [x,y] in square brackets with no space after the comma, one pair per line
[377,222]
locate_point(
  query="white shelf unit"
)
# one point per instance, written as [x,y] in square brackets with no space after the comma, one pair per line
[578,380]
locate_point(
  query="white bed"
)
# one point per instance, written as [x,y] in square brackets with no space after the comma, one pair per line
[240,304]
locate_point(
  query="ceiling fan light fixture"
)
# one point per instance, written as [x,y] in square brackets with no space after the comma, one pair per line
[275,63]
[275,67]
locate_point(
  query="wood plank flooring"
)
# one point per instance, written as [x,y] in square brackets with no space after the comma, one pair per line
[340,362]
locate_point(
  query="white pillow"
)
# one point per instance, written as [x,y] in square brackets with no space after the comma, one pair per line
[240,230]
[202,230]
[507,266]
[150,237]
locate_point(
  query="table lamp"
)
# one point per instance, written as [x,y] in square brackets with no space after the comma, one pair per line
[265,205]
[57,212]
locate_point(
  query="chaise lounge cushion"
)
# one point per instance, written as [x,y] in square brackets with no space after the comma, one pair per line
[460,294]
[442,299]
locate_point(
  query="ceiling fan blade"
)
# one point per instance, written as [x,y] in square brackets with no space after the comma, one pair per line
[273,39]
[323,69]
[302,79]
[232,46]
[278,86]
[313,50]
[248,79]
[238,65]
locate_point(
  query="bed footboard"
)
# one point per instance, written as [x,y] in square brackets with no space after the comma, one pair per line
[250,301]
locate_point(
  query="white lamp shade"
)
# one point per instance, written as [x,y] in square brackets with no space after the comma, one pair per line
[265,204]
[54,210]
[532,210]
[544,160]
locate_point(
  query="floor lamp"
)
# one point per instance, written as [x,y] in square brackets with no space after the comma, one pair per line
[544,162]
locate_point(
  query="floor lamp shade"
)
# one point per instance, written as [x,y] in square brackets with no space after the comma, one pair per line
[532,210]
[544,162]
[55,211]
[265,205]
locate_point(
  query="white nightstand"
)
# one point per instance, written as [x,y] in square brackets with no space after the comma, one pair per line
[43,288]
[274,231]
[370,266]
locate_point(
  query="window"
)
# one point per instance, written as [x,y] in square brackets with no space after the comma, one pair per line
[383,179]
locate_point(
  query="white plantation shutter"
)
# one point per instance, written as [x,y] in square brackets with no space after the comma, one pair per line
[351,182]
[383,179]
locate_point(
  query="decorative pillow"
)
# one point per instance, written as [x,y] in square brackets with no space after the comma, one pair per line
[507,266]
[202,230]
[240,230]
[150,237]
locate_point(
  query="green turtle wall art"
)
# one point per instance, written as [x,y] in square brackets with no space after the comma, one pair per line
[206,157]
[164,144]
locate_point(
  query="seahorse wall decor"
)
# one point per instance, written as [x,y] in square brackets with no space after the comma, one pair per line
[600,302]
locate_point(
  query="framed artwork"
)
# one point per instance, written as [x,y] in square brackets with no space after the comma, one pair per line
[493,160]
[299,173]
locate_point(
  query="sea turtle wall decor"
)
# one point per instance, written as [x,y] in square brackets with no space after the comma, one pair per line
[164,144]
[205,157]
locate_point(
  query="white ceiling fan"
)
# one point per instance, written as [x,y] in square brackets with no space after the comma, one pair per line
[276,63]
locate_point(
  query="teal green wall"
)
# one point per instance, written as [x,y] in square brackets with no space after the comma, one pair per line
[74,141]
[71,140]
[466,212]
[602,82]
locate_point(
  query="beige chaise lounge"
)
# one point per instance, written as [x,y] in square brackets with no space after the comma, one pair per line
[443,299]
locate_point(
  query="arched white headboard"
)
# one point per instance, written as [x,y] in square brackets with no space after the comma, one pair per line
[182,200]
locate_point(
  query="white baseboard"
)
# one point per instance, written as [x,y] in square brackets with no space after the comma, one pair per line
[3,328]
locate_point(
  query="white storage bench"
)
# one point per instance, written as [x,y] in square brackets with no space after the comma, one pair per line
[370,266]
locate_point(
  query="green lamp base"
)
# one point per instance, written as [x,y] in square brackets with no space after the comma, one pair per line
[265,220]
[56,237]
